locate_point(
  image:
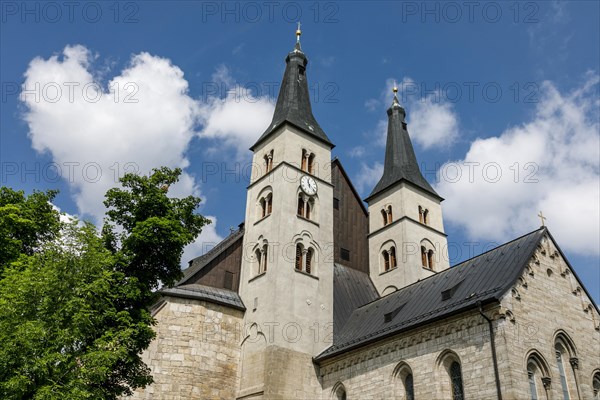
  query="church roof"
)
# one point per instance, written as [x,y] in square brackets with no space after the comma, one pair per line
[198,263]
[293,103]
[400,160]
[485,278]
[351,290]
[207,293]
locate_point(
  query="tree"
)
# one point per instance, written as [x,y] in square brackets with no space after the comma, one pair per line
[25,223]
[74,312]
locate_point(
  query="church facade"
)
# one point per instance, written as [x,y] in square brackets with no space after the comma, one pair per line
[316,296]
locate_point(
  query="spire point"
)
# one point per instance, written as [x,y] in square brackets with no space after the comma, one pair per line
[298,33]
[395,101]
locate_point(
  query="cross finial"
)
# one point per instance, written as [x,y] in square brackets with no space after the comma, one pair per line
[542,218]
[298,33]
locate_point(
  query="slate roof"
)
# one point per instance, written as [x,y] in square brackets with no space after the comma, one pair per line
[293,102]
[351,290]
[196,264]
[400,160]
[207,293]
[484,278]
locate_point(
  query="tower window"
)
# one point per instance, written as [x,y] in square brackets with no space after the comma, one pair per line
[299,257]
[258,256]
[408,387]
[336,203]
[420,214]
[423,256]
[300,206]
[304,161]
[430,259]
[392,257]
[308,162]
[269,203]
[386,260]
[263,207]
[311,164]
[309,260]
[268,161]
[344,254]
[384,215]
[426,217]
[389,215]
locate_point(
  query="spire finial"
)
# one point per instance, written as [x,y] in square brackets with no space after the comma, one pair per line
[298,33]
[395,90]
[542,218]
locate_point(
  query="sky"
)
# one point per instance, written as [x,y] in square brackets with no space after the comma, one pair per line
[502,102]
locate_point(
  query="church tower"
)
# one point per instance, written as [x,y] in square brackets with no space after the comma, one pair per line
[287,269]
[406,231]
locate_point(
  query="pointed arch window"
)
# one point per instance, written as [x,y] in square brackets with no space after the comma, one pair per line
[263,207]
[259,260]
[561,371]
[265,258]
[596,385]
[269,203]
[532,385]
[423,256]
[456,381]
[409,387]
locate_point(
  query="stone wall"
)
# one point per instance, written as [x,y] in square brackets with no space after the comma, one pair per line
[546,302]
[375,372]
[196,352]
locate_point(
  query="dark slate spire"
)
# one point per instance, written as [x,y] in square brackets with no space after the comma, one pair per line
[400,160]
[293,103]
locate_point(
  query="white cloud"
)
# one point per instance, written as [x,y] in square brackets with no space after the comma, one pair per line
[237,119]
[368,176]
[550,163]
[143,118]
[432,121]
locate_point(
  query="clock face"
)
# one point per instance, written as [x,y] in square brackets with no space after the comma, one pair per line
[308,185]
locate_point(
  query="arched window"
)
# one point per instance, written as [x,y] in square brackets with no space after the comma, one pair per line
[420,214]
[532,384]
[423,256]
[596,385]
[263,208]
[456,381]
[269,203]
[386,260]
[392,257]
[311,164]
[389,215]
[339,392]
[538,376]
[426,217]
[561,372]
[258,256]
[300,206]
[304,162]
[430,259]
[384,215]
[299,260]
[308,209]
[265,258]
[408,387]
[309,260]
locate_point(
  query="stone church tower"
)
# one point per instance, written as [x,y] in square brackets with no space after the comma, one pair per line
[286,278]
[406,231]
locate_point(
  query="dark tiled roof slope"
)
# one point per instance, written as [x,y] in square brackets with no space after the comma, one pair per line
[351,289]
[207,293]
[484,279]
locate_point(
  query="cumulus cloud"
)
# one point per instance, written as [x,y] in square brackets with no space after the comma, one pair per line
[236,119]
[142,118]
[207,239]
[368,176]
[550,163]
[432,120]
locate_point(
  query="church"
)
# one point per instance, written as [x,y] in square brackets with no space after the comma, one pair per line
[319,296]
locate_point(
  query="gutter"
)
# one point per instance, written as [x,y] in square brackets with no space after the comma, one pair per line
[493,342]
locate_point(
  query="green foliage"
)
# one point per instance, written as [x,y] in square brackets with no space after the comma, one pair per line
[74,304]
[25,223]
[148,229]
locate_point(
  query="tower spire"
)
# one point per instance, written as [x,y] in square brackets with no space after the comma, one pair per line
[400,160]
[293,102]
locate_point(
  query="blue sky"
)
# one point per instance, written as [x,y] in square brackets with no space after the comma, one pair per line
[502,103]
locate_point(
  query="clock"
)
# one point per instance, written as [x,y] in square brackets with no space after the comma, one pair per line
[308,185]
